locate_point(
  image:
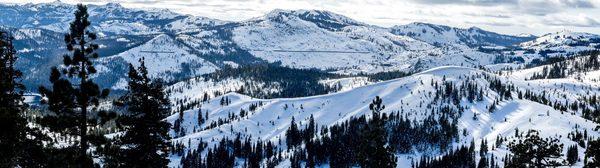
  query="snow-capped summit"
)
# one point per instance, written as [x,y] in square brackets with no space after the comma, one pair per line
[324,19]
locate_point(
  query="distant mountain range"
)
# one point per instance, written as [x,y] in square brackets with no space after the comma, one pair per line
[180,46]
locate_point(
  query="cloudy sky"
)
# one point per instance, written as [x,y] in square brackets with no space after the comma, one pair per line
[504,16]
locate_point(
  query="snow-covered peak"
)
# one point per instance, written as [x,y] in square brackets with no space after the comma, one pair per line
[324,19]
[193,24]
[113,5]
[564,40]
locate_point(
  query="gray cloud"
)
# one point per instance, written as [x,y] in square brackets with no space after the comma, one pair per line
[576,21]
[578,3]
[470,2]
[490,23]
[504,16]
[531,7]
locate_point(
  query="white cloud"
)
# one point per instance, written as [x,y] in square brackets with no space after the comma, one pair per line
[505,16]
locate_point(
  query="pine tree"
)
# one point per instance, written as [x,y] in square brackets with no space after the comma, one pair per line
[21,146]
[309,132]
[200,118]
[483,163]
[592,154]
[535,151]
[373,151]
[293,135]
[145,138]
[572,154]
[71,103]
[483,148]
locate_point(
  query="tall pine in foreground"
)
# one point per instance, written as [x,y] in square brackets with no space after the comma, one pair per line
[20,146]
[145,138]
[72,103]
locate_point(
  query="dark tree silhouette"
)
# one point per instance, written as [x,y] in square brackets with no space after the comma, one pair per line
[373,151]
[20,146]
[534,151]
[71,103]
[145,139]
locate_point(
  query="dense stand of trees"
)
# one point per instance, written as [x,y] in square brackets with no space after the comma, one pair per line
[20,145]
[290,82]
[461,157]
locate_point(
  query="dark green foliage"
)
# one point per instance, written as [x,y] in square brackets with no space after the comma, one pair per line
[144,142]
[592,154]
[461,157]
[293,136]
[483,163]
[534,151]
[572,154]
[373,151]
[389,75]
[20,145]
[71,102]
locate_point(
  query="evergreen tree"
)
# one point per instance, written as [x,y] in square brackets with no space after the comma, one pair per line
[373,151]
[572,154]
[20,145]
[535,151]
[592,154]
[483,163]
[483,148]
[309,132]
[71,103]
[145,138]
[293,137]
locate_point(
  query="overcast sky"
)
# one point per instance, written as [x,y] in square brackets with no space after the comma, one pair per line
[504,16]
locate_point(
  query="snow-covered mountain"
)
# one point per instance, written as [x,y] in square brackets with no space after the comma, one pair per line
[293,38]
[199,56]
[413,96]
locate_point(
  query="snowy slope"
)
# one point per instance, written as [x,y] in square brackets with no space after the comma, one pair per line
[192,23]
[165,56]
[410,94]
